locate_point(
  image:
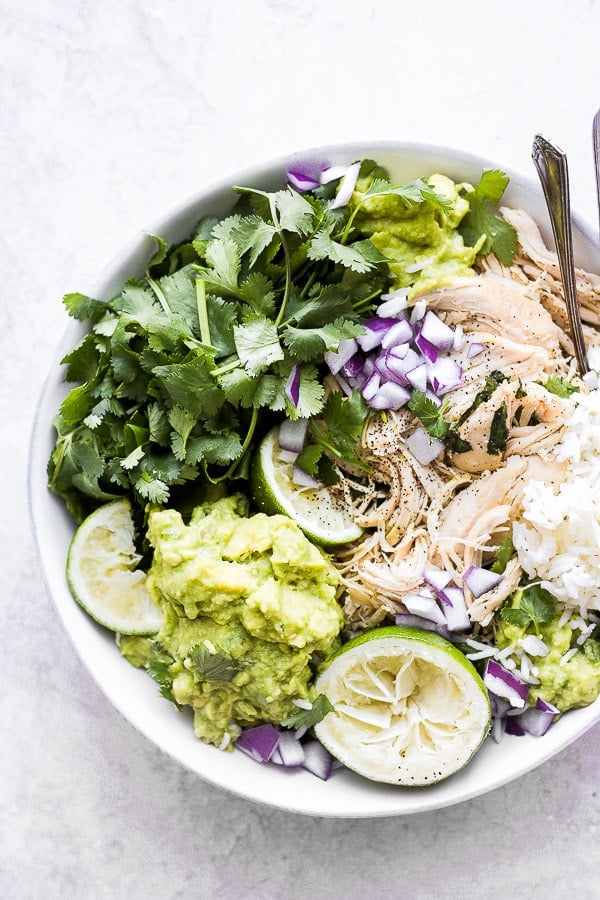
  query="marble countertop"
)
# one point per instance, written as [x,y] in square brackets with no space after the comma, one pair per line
[113,112]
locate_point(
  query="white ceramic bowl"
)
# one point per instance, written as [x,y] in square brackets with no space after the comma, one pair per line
[131,691]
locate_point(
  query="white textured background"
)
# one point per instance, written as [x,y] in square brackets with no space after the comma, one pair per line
[112,112]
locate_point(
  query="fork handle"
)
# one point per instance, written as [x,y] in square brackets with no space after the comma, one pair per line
[551,164]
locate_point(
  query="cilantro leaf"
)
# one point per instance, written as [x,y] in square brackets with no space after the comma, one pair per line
[536,607]
[498,431]
[558,385]
[306,344]
[210,665]
[503,554]
[308,717]
[481,226]
[257,344]
[429,414]
[360,256]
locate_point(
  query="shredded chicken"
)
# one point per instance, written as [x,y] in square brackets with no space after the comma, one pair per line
[455,512]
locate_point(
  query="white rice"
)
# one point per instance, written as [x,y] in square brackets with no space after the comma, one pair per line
[558,541]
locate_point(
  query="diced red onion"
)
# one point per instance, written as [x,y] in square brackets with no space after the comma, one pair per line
[394,303]
[301,181]
[445,374]
[475,349]
[332,173]
[354,366]
[505,684]
[259,742]
[346,388]
[437,578]
[479,581]
[389,396]
[371,386]
[317,759]
[336,359]
[292,385]
[409,620]
[292,434]
[375,331]
[424,447]
[400,333]
[287,456]
[536,720]
[346,188]
[425,605]
[400,362]
[455,609]
[303,479]
[369,367]
[429,350]
[290,752]
[499,705]
[513,726]
[436,332]
[417,377]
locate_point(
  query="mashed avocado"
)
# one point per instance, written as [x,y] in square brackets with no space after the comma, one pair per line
[248,603]
[574,683]
[414,234]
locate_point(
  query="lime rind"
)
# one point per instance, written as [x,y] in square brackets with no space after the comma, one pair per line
[409,708]
[103,574]
[314,510]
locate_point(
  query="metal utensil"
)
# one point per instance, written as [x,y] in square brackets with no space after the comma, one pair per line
[596,140]
[551,164]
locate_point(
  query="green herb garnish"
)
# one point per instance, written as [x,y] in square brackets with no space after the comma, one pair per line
[502,556]
[309,717]
[210,665]
[481,222]
[536,607]
[558,385]
[498,431]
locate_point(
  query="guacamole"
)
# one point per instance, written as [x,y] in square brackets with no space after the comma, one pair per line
[574,683]
[413,234]
[248,604]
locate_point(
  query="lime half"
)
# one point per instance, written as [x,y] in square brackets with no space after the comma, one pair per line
[102,572]
[410,709]
[315,510]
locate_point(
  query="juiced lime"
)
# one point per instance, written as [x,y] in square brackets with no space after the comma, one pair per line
[102,572]
[410,709]
[315,510]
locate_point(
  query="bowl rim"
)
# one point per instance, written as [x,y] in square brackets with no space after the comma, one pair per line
[414,800]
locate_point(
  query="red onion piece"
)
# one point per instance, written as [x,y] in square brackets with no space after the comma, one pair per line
[424,447]
[259,742]
[345,387]
[409,620]
[513,726]
[401,361]
[375,330]
[417,377]
[423,604]
[346,188]
[444,374]
[455,609]
[389,396]
[503,683]
[536,720]
[429,350]
[400,333]
[479,581]
[290,752]
[303,479]
[336,359]
[317,759]
[292,385]
[475,349]
[371,386]
[301,181]
[332,173]
[354,366]
[437,578]
[436,332]
[292,434]
[499,706]
[287,456]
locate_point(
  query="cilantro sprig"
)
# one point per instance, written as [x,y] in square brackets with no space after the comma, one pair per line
[481,226]
[536,607]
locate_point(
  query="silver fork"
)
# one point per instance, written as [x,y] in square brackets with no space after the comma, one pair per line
[551,165]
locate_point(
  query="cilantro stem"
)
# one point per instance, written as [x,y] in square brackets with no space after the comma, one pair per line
[288,262]
[245,446]
[203,324]
[227,367]
[159,295]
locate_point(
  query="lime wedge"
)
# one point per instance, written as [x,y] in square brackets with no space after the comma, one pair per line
[409,708]
[314,510]
[103,576]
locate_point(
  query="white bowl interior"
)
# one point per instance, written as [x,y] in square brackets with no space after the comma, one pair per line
[131,691]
